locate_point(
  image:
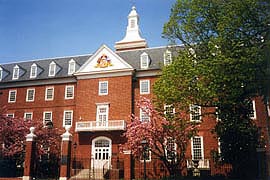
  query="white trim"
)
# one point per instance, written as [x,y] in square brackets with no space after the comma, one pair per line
[169,106]
[254,114]
[24,116]
[27,95]
[144,60]
[31,71]
[73,63]
[148,86]
[52,69]
[199,113]
[202,148]
[1,73]
[147,73]
[100,93]
[9,94]
[64,118]
[44,116]
[46,93]
[66,88]
[167,54]
[103,74]
[106,114]
[144,113]
[16,74]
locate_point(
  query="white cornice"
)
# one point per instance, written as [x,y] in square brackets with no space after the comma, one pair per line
[101,74]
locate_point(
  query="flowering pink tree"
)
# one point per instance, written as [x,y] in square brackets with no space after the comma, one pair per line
[166,136]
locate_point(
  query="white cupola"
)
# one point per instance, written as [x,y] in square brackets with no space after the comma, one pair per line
[133,39]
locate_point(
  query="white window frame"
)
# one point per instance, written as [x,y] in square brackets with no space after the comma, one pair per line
[1,73]
[27,95]
[71,67]
[46,93]
[199,113]
[64,118]
[169,106]
[66,91]
[149,156]
[28,113]
[103,86]
[144,60]
[99,116]
[11,115]
[144,116]
[44,115]
[167,56]
[9,96]
[16,72]
[33,72]
[254,114]
[52,69]
[174,147]
[143,91]
[192,147]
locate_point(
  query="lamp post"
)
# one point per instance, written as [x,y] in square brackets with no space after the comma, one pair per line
[75,163]
[144,145]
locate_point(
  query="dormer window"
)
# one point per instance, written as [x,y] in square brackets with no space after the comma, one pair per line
[52,69]
[167,57]
[33,73]
[16,72]
[144,61]
[1,74]
[71,67]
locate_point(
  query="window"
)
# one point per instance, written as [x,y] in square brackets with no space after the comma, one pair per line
[1,73]
[28,116]
[68,116]
[52,69]
[69,92]
[144,61]
[102,114]
[12,96]
[30,95]
[144,86]
[103,88]
[71,67]
[169,110]
[47,117]
[10,115]
[33,72]
[132,23]
[171,149]
[197,148]
[144,116]
[252,115]
[167,57]
[49,93]
[16,72]
[195,113]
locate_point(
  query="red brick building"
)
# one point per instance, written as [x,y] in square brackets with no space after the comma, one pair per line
[95,94]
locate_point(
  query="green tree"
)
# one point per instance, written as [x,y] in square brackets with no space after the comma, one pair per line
[222,64]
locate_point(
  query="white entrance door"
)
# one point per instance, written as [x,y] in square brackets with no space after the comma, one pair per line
[101,153]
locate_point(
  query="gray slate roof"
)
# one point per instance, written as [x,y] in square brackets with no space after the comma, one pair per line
[132,57]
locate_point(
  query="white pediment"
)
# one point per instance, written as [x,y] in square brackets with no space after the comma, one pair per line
[104,60]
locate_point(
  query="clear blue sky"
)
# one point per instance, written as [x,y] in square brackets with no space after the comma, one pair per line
[36,29]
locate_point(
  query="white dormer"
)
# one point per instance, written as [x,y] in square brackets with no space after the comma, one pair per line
[1,73]
[52,69]
[167,57]
[16,72]
[132,39]
[71,67]
[33,72]
[144,60]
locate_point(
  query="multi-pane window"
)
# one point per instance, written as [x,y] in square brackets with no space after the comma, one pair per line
[144,61]
[167,57]
[1,73]
[197,147]
[195,113]
[49,93]
[252,115]
[16,72]
[28,116]
[103,88]
[30,95]
[144,116]
[102,114]
[169,110]
[144,86]
[69,92]
[71,67]
[52,69]
[33,72]
[47,117]
[170,149]
[68,116]
[12,96]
